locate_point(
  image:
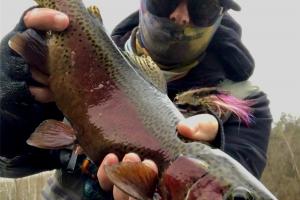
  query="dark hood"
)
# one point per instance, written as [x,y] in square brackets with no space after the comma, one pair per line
[237,63]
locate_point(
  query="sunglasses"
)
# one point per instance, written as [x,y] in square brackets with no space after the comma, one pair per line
[203,13]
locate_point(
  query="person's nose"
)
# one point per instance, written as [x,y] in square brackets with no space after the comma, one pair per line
[181,14]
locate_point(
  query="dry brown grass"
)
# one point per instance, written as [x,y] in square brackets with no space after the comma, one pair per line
[27,188]
[281,175]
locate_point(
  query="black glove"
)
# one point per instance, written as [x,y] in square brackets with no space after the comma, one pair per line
[14,72]
[20,113]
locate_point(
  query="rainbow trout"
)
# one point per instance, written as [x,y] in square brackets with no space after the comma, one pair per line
[112,108]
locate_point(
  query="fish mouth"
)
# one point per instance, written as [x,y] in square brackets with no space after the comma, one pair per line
[240,193]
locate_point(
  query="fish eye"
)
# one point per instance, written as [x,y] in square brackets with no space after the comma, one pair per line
[240,193]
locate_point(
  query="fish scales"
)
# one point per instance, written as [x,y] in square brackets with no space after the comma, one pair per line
[105,86]
[113,109]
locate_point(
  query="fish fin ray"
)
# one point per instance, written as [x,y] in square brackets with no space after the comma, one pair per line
[52,134]
[148,69]
[32,47]
[94,11]
[46,3]
[136,179]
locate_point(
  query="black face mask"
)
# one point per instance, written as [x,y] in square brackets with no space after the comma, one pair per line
[203,13]
[169,43]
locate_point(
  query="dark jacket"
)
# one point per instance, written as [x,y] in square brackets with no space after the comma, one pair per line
[226,58]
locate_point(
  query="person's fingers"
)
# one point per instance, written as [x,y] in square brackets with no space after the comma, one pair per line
[39,76]
[203,127]
[41,94]
[105,183]
[46,19]
[131,157]
[117,193]
[79,150]
[151,164]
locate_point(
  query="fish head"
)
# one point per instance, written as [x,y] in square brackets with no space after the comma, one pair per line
[190,178]
[241,193]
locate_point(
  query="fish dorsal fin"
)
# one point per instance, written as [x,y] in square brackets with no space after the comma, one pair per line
[52,134]
[46,3]
[136,179]
[32,47]
[95,13]
[148,69]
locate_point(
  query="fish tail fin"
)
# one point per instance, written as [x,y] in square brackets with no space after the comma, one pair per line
[136,179]
[52,134]
[32,47]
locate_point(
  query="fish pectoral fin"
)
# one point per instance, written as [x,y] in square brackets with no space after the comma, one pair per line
[136,179]
[52,134]
[32,47]
[95,13]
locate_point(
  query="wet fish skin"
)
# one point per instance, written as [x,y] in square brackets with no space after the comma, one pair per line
[113,109]
[105,74]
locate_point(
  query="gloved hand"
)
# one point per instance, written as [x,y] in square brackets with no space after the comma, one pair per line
[14,66]
[24,94]
[14,71]
[43,19]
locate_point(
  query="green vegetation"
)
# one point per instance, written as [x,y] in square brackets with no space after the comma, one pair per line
[282,174]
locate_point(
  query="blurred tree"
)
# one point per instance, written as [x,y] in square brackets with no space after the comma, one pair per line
[282,175]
